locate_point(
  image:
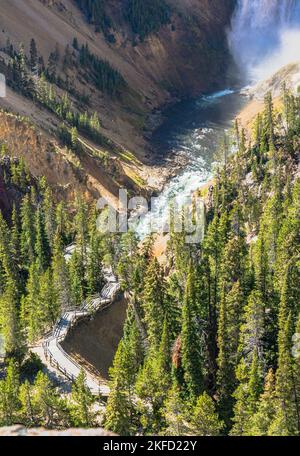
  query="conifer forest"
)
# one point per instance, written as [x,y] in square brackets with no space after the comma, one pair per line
[136,332]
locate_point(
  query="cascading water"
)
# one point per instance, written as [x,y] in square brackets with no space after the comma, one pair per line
[193,129]
[265,35]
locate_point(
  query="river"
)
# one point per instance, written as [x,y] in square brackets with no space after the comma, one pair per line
[262,38]
[192,129]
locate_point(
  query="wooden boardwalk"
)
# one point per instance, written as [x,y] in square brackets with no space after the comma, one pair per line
[57,357]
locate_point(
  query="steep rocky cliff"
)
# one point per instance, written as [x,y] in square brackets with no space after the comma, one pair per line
[184,55]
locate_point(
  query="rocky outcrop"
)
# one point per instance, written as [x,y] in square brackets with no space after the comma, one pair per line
[288,74]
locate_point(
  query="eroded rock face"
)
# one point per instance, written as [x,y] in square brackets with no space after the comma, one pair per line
[185,57]
[288,74]
[93,342]
[21,431]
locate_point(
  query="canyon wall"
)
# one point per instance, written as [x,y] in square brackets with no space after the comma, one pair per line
[184,57]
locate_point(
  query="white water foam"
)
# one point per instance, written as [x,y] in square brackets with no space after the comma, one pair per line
[182,187]
[220,94]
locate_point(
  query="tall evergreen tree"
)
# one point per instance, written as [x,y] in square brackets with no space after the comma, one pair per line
[49,215]
[247,395]
[49,298]
[50,410]
[32,308]
[77,278]
[82,401]
[205,420]
[118,413]
[94,265]
[61,278]
[42,248]
[10,321]
[153,383]
[192,360]
[287,418]
[153,301]
[27,411]
[177,414]
[261,421]
[9,395]
[228,342]
[33,57]
[8,266]
[27,231]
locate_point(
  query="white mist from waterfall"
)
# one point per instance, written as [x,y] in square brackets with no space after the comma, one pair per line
[287,52]
[265,36]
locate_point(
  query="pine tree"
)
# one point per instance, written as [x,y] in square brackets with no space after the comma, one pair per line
[164,353]
[95,122]
[33,311]
[61,279]
[49,408]
[205,420]
[228,342]
[129,264]
[269,126]
[118,413]
[62,224]
[27,412]
[49,215]
[288,236]
[81,227]
[287,418]
[67,60]
[151,387]
[290,293]
[261,421]
[213,244]
[94,274]
[153,383]
[153,303]
[53,61]
[77,278]
[27,231]
[192,361]
[176,414]
[252,329]
[9,395]
[261,266]
[49,297]
[15,237]
[75,43]
[2,279]
[8,265]
[74,138]
[82,401]
[33,57]
[21,73]
[42,248]
[9,313]
[247,395]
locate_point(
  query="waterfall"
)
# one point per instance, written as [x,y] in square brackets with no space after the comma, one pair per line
[265,35]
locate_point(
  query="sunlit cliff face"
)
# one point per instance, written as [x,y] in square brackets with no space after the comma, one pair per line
[264,36]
